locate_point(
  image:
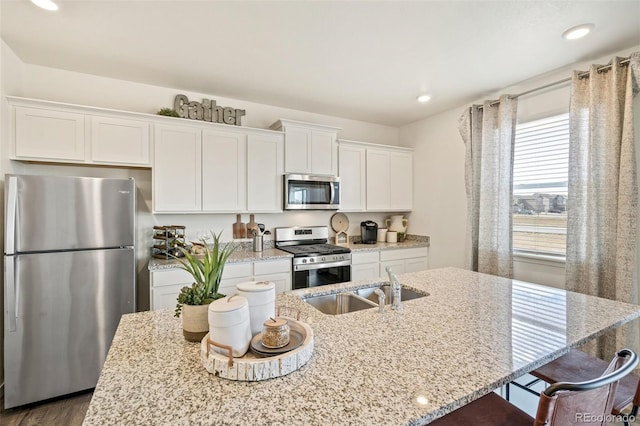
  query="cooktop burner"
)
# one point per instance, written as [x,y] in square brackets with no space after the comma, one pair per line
[314,249]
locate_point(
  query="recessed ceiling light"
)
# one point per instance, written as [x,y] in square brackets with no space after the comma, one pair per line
[424,98]
[45,4]
[578,31]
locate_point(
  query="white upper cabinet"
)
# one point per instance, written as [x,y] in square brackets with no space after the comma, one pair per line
[49,135]
[352,172]
[375,177]
[401,180]
[378,182]
[309,148]
[389,179]
[264,172]
[120,141]
[47,131]
[205,168]
[177,169]
[224,171]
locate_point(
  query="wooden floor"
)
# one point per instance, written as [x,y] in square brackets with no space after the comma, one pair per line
[69,411]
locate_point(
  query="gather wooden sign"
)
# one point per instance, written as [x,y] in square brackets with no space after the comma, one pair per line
[207,110]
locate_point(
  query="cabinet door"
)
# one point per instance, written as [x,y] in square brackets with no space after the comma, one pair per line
[378,188]
[120,141]
[223,171]
[416,264]
[397,266]
[177,169]
[352,172]
[401,180]
[297,153]
[281,280]
[264,173]
[324,153]
[365,271]
[49,135]
[165,297]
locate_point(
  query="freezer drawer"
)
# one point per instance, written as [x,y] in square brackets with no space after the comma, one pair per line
[61,312]
[50,213]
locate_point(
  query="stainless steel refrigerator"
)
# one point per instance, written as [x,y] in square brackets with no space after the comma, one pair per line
[69,275]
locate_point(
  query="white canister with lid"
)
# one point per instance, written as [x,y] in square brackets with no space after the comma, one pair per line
[262,302]
[229,324]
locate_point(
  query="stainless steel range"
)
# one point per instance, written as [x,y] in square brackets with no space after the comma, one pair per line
[315,262]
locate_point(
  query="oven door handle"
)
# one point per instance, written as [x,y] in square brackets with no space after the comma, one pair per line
[310,266]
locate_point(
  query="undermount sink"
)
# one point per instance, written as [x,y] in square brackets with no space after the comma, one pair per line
[357,300]
[405,293]
[339,303]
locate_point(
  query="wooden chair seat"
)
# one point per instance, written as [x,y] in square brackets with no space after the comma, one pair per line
[491,409]
[559,404]
[577,366]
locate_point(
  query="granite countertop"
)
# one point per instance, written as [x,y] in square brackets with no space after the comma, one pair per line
[246,254]
[443,350]
[412,241]
[242,255]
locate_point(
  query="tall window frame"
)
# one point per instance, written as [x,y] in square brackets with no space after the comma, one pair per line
[540,186]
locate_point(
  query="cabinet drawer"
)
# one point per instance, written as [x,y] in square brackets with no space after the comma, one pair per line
[237,270]
[359,258]
[272,267]
[170,277]
[403,253]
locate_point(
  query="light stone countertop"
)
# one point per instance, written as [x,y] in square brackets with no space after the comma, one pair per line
[449,348]
[246,254]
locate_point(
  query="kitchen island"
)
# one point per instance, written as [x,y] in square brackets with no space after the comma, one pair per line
[472,334]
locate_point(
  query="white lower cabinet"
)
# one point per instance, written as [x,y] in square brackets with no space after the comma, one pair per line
[276,271]
[365,265]
[165,284]
[404,260]
[371,265]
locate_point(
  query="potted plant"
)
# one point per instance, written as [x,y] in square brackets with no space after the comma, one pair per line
[206,270]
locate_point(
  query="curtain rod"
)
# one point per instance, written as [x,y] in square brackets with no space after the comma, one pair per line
[584,74]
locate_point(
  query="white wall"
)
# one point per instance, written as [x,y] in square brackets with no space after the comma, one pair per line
[439,191]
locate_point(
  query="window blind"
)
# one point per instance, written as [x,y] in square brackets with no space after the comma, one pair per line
[540,179]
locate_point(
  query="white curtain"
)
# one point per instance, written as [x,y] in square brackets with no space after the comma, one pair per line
[488,132]
[602,207]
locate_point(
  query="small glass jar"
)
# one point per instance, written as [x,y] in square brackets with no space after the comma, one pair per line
[275,333]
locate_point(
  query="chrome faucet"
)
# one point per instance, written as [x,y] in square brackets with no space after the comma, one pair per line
[396,303]
[381,300]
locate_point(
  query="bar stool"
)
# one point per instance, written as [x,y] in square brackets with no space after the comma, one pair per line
[561,404]
[577,365]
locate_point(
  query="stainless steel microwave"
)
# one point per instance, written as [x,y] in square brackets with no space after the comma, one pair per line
[307,192]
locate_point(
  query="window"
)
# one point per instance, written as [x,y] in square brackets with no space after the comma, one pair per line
[540,178]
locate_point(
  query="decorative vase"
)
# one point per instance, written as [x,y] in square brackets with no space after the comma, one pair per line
[397,223]
[195,322]
[252,227]
[239,229]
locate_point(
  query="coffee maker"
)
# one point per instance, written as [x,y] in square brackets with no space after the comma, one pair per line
[369,232]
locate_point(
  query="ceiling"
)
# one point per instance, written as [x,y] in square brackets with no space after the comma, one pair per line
[360,60]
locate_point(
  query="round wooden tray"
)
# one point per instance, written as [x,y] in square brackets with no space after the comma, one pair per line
[253,368]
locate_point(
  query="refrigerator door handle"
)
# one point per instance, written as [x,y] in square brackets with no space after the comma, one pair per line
[10,229]
[11,293]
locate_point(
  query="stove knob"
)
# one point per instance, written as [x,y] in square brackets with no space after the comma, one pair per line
[322,258]
[304,260]
[311,260]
